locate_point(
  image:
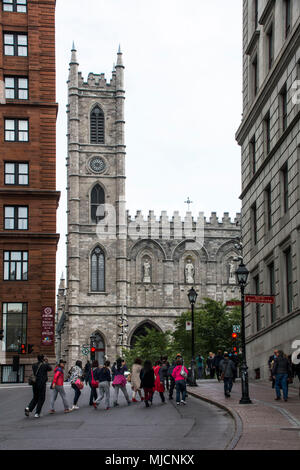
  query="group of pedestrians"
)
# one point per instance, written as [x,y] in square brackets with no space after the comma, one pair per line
[145,380]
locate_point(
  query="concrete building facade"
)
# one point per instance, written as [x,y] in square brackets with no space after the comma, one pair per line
[269,139]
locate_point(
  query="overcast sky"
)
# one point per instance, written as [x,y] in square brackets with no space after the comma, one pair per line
[183,82]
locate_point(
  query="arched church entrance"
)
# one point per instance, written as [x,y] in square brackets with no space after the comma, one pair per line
[141,331]
[97,342]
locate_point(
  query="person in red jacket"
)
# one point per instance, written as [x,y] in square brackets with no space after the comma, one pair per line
[159,381]
[57,386]
[180,374]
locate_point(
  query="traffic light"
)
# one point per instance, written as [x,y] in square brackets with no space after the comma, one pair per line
[22,348]
[30,348]
[93,351]
[234,335]
[235,351]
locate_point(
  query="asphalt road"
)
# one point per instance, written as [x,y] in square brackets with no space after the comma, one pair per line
[196,426]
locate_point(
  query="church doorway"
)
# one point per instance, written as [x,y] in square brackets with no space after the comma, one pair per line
[141,331]
[97,342]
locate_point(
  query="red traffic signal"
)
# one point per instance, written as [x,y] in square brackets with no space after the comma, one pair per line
[234,335]
[93,349]
[23,348]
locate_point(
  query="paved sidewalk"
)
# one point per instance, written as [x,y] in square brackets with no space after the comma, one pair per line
[265,424]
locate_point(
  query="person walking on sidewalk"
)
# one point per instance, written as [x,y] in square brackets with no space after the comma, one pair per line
[200,364]
[172,380]
[180,374]
[210,365]
[87,370]
[119,380]
[159,381]
[271,364]
[147,377]
[228,370]
[164,368]
[76,380]
[40,371]
[88,380]
[102,374]
[216,363]
[281,372]
[135,379]
[57,387]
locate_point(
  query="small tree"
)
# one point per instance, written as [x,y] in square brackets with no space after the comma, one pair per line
[213,329]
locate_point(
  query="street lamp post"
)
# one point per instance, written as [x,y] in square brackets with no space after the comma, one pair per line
[242,276]
[192,295]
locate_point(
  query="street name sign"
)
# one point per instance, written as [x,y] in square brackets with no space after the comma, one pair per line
[260,299]
[232,303]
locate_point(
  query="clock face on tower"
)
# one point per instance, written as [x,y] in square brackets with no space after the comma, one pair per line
[97,165]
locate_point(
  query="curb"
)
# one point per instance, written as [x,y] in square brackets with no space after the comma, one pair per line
[235,416]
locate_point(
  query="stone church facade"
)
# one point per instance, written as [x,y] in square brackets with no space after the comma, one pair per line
[126,273]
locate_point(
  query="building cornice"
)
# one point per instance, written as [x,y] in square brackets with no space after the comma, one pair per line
[264,16]
[253,42]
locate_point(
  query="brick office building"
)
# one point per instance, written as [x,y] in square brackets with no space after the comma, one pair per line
[28,196]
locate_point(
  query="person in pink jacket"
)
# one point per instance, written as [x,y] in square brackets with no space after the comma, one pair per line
[57,386]
[180,374]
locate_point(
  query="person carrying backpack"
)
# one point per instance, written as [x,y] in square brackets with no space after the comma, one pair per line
[228,370]
[164,370]
[147,382]
[40,372]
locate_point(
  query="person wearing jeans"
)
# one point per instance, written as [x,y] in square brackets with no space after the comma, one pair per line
[281,371]
[103,376]
[227,368]
[180,381]
[57,387]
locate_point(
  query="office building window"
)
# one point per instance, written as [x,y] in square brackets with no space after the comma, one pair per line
[252,155]
[267,134]
[288,17]
[271,273]
[15,44]
[15,265]
[284,188]
[253,221]
[255,75]
[16,173]
[16,130]
[16,88]
[14,324]
[289,279]
[15,217]
[268,207]
[20,6]
[283,108]
[270,39]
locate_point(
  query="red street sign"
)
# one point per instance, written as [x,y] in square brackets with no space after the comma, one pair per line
[260,299]
[231,303]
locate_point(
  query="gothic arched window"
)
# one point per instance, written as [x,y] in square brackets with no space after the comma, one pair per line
[97,126]
[97,198]
[97,270]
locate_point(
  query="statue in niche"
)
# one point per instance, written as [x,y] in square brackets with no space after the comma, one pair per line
[146,271]
[189,272]
[232,279]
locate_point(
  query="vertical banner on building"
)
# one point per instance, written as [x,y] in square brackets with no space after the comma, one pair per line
[47,326]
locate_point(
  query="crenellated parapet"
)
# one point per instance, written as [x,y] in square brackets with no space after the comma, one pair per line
[176,226]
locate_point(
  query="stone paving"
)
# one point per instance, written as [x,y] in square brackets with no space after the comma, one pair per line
[265,424]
